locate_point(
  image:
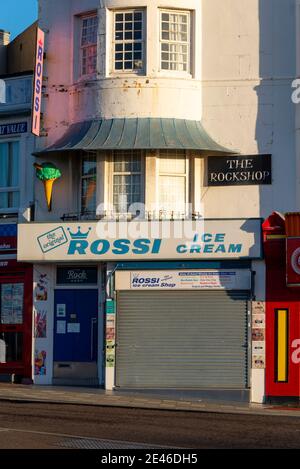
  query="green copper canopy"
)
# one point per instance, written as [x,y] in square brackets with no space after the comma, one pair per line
[139,134]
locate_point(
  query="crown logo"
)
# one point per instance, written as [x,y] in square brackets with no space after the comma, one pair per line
[79,234]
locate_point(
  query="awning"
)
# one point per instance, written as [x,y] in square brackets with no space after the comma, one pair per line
[139,134]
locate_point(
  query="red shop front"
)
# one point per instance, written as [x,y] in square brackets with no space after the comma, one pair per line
[16,281]
[282,255]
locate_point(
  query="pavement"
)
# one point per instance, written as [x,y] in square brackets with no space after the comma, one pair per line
[188,402]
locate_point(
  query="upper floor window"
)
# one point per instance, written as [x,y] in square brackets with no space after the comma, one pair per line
[129,42]
[89,30]
[88,183]
[175,41]
[127,180]
[9,176]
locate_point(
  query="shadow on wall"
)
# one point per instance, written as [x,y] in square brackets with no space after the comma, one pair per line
[275,123]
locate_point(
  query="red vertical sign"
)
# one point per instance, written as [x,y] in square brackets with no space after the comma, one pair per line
[293,262]
[38,78]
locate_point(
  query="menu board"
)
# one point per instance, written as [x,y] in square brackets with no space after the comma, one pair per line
[12,299]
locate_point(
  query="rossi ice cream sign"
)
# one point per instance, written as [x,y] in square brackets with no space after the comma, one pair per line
[207,239]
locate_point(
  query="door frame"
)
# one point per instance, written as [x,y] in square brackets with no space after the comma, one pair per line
[101,314]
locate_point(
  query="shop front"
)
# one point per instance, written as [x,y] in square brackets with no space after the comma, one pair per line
[183,329]
[145,311]
[15,310]
[282,249]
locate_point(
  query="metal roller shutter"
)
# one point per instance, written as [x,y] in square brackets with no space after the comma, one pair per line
[175,339]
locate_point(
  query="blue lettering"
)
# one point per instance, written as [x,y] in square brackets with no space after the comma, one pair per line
[100,247]
[40,53]
[39,69]
[181,249]
[121,246]
[220,237]
[37,104]
[141,246]
[208,248]
[38,86]
[78,247]
[221,248]
[195,248]
[156,246]
[206,238]
[235,248]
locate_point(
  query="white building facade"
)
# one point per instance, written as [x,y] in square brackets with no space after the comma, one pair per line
[173,128]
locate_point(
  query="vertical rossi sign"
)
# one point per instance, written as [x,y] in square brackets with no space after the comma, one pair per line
[37,92]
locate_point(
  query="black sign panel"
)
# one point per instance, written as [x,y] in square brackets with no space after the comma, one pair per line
[13,129]
[77,275]
[239,170]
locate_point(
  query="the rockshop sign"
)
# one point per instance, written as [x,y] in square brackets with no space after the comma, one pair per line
[239,170]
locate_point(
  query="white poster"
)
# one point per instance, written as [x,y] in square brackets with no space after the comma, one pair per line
[61,327]
[184,280]
[73,327]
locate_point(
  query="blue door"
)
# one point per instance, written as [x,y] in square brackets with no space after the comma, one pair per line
[76,326]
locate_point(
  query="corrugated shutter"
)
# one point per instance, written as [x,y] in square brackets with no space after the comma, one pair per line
[174,339]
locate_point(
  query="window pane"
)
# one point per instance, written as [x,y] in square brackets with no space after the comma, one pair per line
[172,193]
[172,162]
[12,300]
[126,180]
[89,30]
[175,39]
[4,165]
[88,183]
[11,347]
[129,37]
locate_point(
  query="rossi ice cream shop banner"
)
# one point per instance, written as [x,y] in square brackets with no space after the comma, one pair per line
[201,239]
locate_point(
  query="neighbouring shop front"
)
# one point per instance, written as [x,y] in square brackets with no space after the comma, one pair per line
[131,311]
[282,252]
[15,310]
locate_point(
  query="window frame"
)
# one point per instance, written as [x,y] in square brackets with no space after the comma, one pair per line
[143,41]
[85,177]
[185,176]
[113,173]
[12,189]
[83,17]
[189,43]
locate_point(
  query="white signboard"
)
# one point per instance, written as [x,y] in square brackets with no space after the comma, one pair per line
[239,279]
[114,241]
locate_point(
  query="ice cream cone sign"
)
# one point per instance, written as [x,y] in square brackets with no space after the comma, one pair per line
[48,173]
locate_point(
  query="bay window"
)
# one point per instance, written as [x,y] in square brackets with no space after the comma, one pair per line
[9,176]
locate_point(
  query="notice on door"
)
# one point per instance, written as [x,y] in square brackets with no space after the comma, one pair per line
[73,328]
[61,327]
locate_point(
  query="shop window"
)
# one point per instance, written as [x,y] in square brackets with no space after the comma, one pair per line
[11,306]
[173,183]
[175,41]
[11,347]
[281,345]
[129,42]
[9,176]
[88,43]
[127,180]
